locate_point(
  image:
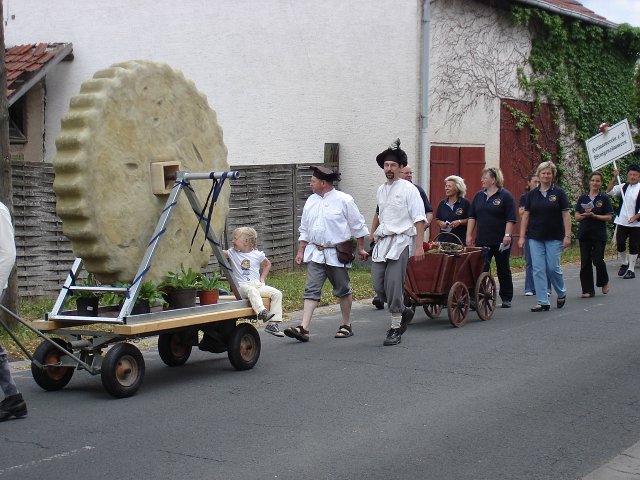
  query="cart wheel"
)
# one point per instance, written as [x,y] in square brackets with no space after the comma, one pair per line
[486,297]
[458,304]
[174,348]
[432,310]
[122,370]
[244,347]
[51,378]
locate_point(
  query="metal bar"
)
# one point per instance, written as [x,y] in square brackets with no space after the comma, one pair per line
[130,301]
[188,176]
[44,337]
[83,319]
[99,289]
[213,241]
[73,274]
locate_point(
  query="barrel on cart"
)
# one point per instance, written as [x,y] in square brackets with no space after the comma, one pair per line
[454,279]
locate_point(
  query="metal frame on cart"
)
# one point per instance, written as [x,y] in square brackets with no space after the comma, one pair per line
[122,367]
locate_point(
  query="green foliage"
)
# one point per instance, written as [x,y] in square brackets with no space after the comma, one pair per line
[149,291]
[181,279]
[212,281]
[586,70]
[90,281]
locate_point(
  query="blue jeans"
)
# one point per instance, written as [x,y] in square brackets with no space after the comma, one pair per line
[545,259]
[528,275]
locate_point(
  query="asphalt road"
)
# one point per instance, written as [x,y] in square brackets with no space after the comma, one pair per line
[523,396]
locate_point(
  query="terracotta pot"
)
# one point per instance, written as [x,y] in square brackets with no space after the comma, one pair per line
[182,298]
[209,297]
[87,306]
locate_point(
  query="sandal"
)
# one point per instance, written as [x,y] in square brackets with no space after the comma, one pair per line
[605,289]
[541,308]
[561,301]
[299,333]
[344,331]
[587,295]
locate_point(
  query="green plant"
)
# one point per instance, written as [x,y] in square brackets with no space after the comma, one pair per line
[181,279]
[90,281]
[211,282]
[149,291]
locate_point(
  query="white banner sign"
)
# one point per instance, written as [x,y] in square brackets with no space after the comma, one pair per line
[607,147]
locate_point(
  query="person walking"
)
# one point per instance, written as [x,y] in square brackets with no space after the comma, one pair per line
[329,218]
[399,235]
[546,226]
[13,404]
[493,215]
[628,219]
[452,214]
[593,211]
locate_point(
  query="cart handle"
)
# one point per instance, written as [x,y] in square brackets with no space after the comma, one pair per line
[449,233]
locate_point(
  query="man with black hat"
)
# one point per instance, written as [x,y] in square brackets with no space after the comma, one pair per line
[627,220]
[398,236]
[329,218]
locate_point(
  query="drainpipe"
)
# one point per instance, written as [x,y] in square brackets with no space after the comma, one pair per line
[423,135]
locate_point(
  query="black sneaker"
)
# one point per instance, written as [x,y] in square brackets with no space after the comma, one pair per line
[407,316]
[379,304]
[629,275]
[623,269]
[506,304]
[13,406]
[394,337]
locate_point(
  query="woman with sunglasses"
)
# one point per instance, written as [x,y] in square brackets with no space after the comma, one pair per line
[493,212]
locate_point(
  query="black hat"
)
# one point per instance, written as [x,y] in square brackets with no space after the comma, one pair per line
[395,152]
[324,173]
[633,168]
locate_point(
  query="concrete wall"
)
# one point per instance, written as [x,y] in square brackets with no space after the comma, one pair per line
[284,76]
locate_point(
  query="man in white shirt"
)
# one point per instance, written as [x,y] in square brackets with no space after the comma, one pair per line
[399,235]
[628,219]
[13,404]
[329,217]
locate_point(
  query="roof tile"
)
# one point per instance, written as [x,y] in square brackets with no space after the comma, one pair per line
[22,61]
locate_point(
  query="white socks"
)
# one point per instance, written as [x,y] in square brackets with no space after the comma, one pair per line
[632,262]
[622,256]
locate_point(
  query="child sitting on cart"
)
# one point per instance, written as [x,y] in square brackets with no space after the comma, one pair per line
[250,269]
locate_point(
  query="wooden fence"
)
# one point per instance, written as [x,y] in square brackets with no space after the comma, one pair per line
[268,197]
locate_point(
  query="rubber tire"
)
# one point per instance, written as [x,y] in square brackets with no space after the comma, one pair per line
[243,347]
[174,348]
[53,378]
[115,378]
[432,310]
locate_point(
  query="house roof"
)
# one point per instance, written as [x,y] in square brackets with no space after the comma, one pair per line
[571,8]
[28,64]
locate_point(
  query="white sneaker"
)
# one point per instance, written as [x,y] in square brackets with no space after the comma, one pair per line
[528,294]
[273,329]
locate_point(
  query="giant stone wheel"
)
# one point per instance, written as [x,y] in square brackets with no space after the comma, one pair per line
[125,119]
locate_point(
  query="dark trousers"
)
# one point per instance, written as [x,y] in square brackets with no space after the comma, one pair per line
[592,252]
[503,268]
[633,234]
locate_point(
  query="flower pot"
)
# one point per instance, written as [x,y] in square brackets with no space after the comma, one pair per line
[140,307]
[87,306]
[209,297]
[182,298]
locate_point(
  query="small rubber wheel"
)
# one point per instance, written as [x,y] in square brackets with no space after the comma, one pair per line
[122,370]
[432,310]
[243,347]
[53,378]
[174,348]
[458,304]
[486,296]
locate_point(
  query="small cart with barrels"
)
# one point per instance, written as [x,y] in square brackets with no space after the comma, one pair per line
[453,276]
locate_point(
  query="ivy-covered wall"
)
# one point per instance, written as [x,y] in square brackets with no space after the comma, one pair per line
[587,72]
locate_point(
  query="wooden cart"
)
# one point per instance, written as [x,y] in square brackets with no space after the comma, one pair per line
[451,280]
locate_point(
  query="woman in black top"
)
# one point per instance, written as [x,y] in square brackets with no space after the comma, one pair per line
[493,210]
[453,212]
[546,225]
[593,211]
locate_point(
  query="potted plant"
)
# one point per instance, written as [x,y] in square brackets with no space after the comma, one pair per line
[180,288]
[87,301]
[148,296]
[209,288]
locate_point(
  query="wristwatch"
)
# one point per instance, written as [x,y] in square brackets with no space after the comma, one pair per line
[508,234]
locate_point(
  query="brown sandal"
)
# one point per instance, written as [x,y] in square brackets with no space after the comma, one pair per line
[344,331]
[299,333]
